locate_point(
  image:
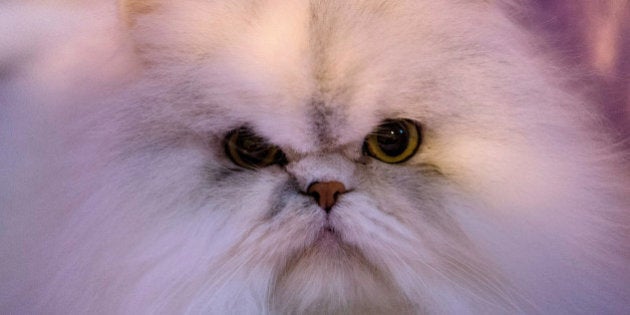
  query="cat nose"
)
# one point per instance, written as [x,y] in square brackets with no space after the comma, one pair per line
[326,193]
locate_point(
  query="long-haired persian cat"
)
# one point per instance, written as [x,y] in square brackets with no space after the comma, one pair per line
[301,157]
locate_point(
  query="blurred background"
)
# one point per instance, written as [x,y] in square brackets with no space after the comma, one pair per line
[593,35]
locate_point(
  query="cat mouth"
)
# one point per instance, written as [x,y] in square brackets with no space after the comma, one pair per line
[328,235]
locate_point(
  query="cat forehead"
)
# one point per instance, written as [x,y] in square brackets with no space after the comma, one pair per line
[299,70]
[300,73]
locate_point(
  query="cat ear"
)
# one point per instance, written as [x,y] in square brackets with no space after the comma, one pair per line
[129,10]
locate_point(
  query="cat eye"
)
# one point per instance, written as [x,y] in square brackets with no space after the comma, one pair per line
[248,150]
[394,141]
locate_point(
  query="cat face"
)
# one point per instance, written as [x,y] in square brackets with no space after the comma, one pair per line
[336,157]
[314,80]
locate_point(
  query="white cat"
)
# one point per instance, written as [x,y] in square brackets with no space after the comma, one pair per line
[289,157]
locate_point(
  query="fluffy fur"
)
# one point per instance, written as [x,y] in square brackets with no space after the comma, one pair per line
[116,195]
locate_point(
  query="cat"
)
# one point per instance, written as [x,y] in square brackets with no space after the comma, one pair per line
[301,157]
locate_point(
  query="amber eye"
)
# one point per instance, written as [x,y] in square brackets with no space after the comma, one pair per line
[394,141]
[248,150]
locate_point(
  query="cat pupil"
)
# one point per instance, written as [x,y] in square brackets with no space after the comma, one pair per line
[393,139]
[252,148]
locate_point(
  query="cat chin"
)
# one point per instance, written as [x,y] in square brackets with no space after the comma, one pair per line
[331,276]
[361,259]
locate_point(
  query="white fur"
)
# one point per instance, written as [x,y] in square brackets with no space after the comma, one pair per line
[116,195]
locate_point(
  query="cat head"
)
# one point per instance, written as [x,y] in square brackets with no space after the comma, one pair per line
[337,156]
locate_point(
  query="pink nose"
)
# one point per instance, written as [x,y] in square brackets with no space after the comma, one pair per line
[326,193]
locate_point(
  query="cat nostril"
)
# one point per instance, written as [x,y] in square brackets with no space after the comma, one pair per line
[326,193]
